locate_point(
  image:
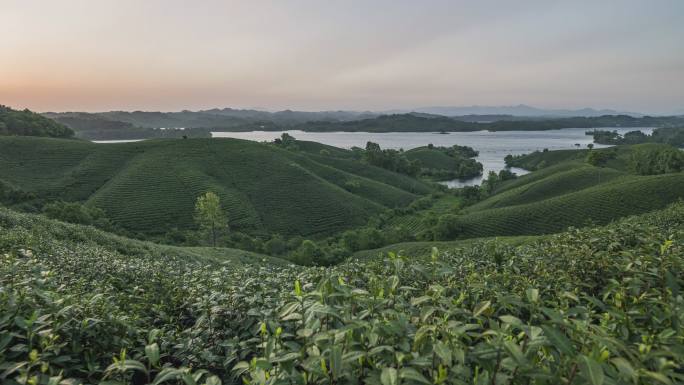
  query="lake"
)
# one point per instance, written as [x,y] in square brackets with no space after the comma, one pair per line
[493,146]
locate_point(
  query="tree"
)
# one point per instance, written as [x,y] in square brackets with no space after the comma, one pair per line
[600,159]
[307,253]
[447,228]
[209,216]
[659,159]
[276,245]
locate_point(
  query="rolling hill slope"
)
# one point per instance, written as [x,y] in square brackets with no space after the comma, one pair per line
[561,182]
[150,187]
[38,233]
[567,191]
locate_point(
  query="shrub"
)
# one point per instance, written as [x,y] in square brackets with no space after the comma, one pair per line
[73,212]
[656,160]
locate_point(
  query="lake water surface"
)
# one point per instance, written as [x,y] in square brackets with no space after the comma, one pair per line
[493,146]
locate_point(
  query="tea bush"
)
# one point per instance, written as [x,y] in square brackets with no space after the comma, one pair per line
[597,306]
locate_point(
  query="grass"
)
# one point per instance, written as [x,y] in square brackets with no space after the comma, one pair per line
[150,187]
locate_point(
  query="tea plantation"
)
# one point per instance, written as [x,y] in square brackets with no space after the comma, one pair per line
[597,306]
[150,187]
[567,191]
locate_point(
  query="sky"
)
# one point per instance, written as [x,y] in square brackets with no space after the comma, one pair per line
[169,55]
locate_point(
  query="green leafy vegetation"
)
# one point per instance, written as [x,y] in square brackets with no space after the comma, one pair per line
[443,163]
[76,213]
[598,305]
[393,160]
[668,135]
[210,216]
[27,123]
[575,188]
[505,301]
[149,188]
[652,160]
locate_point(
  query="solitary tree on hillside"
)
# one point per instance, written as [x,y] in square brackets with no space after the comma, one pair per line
[209,215]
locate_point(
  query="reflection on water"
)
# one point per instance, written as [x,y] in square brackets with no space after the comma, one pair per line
[493,146]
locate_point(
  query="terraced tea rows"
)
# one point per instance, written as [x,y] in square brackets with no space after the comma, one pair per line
[595,205]
[558,183]
[150,187]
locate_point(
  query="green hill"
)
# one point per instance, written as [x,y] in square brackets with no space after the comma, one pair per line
[598,204]
[150,187]
[27,123]
[567,191]
[579,177]
[442,163]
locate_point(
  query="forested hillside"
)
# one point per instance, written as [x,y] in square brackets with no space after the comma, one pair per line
[27,123]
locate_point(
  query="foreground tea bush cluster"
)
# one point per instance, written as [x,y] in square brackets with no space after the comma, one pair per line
[590,306]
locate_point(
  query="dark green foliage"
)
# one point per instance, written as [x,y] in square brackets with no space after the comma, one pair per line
[389,159]
[436,123]
[150,187]
[275,246]
[73,212]
[600,158]
[674,136]
[493,180]
[668,135]
[652,160]
[393,123]
[443,163]
[10,195]
[363,239]
[307,253]
[287,141]
[605,137]
[601,305]
[27,123]
[447,227]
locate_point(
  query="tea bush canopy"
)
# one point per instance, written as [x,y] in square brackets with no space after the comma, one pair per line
[599,305]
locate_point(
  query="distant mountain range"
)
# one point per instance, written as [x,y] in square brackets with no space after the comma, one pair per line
[519,110]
